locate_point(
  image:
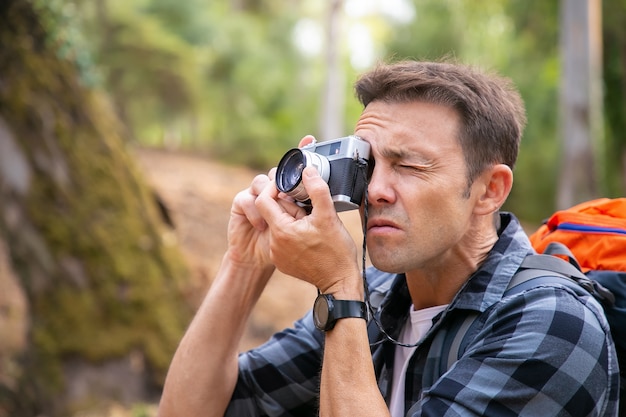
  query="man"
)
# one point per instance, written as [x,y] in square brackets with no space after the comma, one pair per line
[444,139]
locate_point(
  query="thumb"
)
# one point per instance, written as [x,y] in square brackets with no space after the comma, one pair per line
[307,140]
[317,189]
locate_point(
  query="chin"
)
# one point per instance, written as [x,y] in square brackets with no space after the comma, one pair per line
[386,266]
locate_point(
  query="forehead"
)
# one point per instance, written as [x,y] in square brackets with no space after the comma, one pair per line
[409,126]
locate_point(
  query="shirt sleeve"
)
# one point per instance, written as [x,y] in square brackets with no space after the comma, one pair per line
[281,377]
[543,352]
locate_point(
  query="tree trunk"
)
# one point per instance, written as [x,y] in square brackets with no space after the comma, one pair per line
[103,291]
[581,100]
[614,67]
[333,100]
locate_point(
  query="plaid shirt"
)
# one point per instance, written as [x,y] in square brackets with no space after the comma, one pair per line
[542,352]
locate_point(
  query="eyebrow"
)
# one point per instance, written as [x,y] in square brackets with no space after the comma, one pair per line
[400,154]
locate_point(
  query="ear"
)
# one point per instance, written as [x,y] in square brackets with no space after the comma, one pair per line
[493,187]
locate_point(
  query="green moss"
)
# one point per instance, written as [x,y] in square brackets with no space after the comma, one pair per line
[89,204]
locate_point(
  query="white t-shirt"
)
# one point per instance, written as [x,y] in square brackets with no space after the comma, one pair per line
[414,329]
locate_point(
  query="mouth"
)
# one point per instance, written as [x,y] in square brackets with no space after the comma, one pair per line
[376,225]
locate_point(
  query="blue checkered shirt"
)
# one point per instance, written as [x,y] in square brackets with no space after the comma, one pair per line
[542,352]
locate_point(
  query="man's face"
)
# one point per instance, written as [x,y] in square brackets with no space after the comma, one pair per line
[419,213]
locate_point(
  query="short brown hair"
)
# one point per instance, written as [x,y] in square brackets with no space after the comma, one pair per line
[491,110]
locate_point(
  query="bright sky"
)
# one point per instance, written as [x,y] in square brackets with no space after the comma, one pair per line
[356,27]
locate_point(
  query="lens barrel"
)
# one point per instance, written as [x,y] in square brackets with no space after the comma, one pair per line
[289,172]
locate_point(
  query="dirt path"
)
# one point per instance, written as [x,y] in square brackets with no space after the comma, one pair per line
[198,193]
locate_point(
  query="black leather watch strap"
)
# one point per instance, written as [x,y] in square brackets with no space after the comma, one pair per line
[349,308]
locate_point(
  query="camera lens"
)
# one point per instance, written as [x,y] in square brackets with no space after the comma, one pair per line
[289,172]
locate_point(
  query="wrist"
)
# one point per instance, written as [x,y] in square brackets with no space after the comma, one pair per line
[249,273]
[236,261]
[348,286]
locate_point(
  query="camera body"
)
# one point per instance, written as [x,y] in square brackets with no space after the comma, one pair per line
[342,163]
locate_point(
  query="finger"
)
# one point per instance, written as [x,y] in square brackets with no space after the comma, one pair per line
[243,205]
[307,140]
[244,202]
[318,191]
[272,174]
[290,207]
[268,206]
[258,184]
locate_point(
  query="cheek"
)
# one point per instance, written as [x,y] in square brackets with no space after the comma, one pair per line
[439,213]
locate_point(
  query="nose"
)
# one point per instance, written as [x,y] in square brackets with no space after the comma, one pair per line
[380,188]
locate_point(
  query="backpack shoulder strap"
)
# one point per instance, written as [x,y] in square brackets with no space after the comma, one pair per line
[535,273]
[450,343]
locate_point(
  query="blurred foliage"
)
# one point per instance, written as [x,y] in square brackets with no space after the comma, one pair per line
[206,75]
[226,77]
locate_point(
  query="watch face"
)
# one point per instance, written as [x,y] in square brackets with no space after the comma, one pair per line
[320,312]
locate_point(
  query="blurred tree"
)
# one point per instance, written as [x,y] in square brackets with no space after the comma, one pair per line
[189,19]
[83,236]
[151,73]
[580,100]
[332,114]
[613,162]
[534,66]
[261,97]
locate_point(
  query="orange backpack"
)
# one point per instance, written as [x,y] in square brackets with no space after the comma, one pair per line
[595,232]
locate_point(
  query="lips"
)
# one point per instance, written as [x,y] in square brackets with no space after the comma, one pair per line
[377,224]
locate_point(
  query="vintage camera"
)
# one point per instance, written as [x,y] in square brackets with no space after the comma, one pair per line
[342,163]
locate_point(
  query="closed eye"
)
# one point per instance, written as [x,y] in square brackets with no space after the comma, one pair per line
[420,168]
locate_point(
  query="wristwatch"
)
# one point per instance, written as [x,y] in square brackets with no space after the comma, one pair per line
[327,310]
